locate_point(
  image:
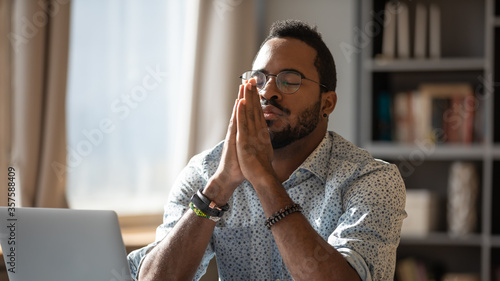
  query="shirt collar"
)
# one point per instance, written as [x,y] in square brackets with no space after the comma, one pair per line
[317,161]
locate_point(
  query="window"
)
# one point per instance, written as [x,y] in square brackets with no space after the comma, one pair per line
[122,103]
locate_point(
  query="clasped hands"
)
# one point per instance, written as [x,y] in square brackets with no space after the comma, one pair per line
[247,152]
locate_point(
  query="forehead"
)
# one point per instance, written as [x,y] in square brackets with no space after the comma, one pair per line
[286,53]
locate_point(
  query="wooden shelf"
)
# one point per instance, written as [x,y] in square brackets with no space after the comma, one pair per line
[496,151]
[495,241]
[475,24]
[496,22]
[443,239]
[430,152]
[443,64]
[139,230]
[138,237]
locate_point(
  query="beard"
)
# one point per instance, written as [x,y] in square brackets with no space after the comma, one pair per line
[307,121]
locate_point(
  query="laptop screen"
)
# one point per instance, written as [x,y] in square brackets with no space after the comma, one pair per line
[62,244]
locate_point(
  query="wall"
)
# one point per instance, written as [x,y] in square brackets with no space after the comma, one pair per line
[335,20]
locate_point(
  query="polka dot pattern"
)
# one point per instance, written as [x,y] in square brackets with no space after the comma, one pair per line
[353,201]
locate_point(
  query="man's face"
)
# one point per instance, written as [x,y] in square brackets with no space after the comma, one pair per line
[290,117]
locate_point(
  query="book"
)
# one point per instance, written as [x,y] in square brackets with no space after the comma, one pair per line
[438,120]
[420,42]
[434,31]
[469,110]
[452,120]
[403,31]
[407,114]
[479,122]
[402,117]
[418,128]
[384,119]
[389,33]
[435,113]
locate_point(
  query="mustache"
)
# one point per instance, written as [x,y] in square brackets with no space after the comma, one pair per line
[264,102]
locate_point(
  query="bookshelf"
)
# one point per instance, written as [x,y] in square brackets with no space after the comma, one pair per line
[469,53]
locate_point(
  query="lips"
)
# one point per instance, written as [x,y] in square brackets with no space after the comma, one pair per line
[271,112]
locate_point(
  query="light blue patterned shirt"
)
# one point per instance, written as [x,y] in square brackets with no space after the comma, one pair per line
[353,201]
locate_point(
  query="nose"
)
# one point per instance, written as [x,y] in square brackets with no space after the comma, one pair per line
[270,90]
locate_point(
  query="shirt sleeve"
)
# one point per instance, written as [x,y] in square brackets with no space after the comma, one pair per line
[188,182]
[368,232]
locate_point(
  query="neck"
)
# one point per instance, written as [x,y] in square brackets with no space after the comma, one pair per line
[287,159]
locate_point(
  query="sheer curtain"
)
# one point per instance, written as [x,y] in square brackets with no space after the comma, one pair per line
[124,103]
[150,84]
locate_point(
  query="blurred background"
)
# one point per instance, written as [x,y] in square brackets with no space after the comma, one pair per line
[141,88]
[102,103]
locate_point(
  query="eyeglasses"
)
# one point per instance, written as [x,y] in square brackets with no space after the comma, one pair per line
[288,81]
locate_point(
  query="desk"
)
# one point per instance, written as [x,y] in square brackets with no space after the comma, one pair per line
[137,237]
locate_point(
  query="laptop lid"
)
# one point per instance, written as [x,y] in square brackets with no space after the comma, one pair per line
[62,244]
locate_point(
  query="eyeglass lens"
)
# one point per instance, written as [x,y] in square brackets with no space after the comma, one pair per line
[288,82]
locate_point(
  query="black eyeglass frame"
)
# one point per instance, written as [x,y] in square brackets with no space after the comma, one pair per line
[284,71]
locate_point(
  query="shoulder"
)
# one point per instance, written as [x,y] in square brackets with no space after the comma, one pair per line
[356,166]
[196,173]
[206,162]
[193,177]
[344,150]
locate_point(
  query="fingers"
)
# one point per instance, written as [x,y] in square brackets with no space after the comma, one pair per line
[240,93]
[257,106]
[251,124]
[241,118]
[249,109]
[254,151]
[253,108]
[231,130]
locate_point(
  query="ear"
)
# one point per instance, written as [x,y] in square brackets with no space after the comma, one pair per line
[328,102]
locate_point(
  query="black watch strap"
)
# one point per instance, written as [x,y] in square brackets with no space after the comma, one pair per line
[207,206]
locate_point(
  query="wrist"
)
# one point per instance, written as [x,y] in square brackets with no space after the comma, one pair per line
[265,181]
[200,213]
[218,190]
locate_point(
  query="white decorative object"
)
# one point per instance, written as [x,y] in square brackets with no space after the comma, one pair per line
[463,188]
[421,207]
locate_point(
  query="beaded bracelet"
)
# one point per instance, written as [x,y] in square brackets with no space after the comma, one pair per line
[276,217]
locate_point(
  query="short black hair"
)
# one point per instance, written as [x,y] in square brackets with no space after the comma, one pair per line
[325,65]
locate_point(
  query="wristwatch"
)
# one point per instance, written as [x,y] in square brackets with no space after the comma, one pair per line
[207,206]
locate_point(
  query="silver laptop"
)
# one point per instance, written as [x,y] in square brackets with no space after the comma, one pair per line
[61,244]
